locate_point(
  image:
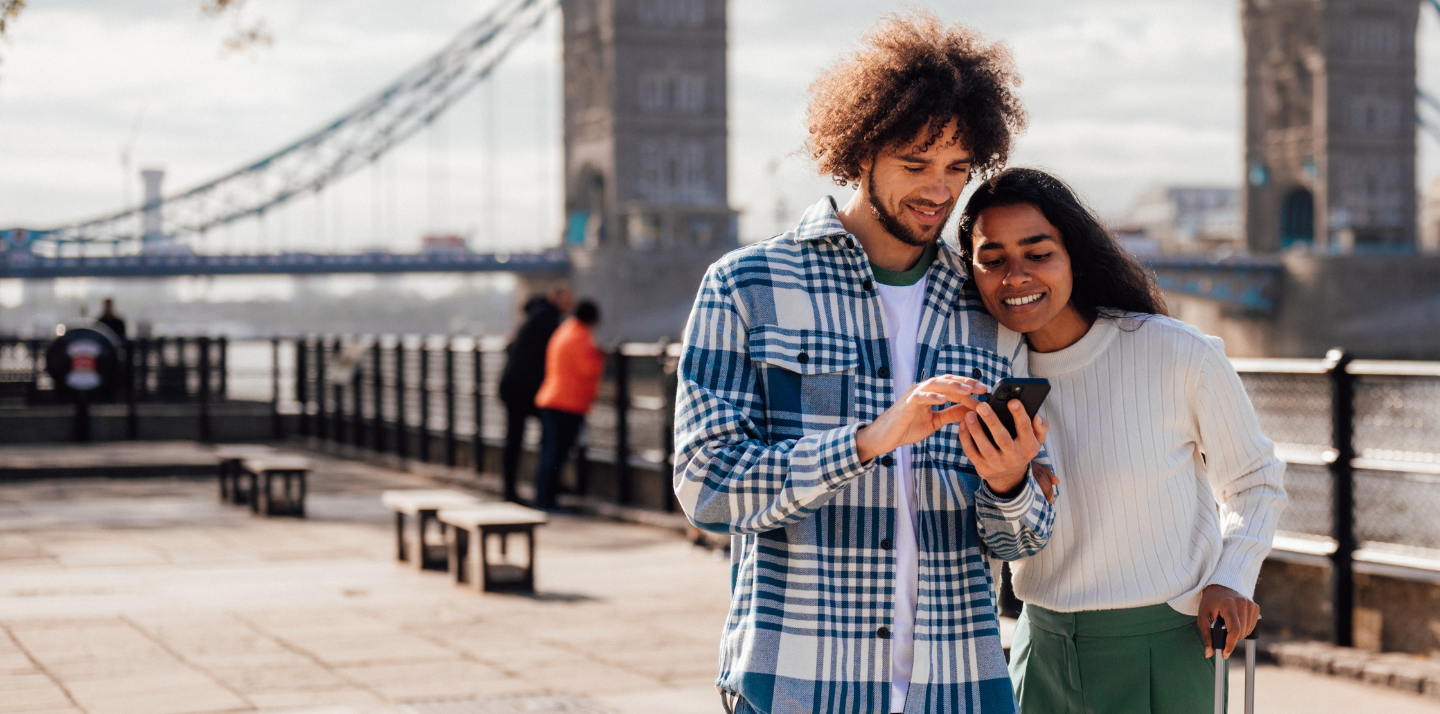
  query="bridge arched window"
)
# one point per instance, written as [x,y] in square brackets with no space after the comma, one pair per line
[1297,218]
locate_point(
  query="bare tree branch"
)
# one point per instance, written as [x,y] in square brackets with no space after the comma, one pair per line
[243,36]
[8,10]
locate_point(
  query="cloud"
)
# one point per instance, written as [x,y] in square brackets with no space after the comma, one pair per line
[1122,95]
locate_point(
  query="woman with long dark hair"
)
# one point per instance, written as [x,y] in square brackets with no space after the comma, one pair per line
[1170,493]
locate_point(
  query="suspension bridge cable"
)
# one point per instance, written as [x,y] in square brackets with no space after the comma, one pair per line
[338,204]
[356,138]
[490,165]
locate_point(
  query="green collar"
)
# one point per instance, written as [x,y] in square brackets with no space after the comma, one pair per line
[905,278]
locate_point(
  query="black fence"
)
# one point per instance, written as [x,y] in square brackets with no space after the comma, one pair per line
[1362,442]
[1361,437]
[435,399]
[159,370]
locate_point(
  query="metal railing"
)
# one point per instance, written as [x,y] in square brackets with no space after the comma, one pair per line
[1362,442]
[1361,437]
[151,370]
[434,398]
[154,369]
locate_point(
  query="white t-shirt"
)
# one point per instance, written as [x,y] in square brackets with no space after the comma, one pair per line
[903,306]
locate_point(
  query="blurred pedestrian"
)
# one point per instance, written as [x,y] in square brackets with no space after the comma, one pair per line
[109,319]
[524,372]
[573,368]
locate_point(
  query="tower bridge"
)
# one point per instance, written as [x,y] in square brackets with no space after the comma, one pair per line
[1329,155]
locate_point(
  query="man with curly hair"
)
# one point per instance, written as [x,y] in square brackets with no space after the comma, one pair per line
[826,417]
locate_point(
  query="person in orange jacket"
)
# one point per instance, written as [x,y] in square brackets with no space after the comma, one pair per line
[573,368]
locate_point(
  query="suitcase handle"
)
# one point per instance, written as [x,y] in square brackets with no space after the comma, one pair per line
[1218,635]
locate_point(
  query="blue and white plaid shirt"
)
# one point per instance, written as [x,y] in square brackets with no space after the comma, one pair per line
[785,359]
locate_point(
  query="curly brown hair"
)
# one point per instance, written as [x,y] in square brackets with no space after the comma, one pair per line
[913,73]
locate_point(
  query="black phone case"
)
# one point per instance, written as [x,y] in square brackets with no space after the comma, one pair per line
[1031,392]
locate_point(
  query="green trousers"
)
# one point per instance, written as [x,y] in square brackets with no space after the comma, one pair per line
[1144,660]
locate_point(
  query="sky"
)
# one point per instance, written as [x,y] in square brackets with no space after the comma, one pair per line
[1122,95]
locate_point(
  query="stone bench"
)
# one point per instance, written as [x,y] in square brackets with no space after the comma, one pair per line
[470,528]
[422,505]
[290,472]
[232,472]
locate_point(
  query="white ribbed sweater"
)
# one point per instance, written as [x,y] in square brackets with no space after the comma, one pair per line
[1133,406]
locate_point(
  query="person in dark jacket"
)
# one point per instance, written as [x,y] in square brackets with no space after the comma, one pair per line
[525,371]
[109,319]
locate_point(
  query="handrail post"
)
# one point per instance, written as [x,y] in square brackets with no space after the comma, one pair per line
[424,451]
[357,398]
[224,391]
[302,382]
[477,442]
[147,350]
[377,393]
[1342,472]
[35,348]
[322,419]
[669,371]
[203,368]
[337,417]
[132,417]
[622,426]
[277,426]
[402,427]
[449,403]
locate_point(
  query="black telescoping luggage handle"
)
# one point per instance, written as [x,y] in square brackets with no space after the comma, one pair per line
[1218,636]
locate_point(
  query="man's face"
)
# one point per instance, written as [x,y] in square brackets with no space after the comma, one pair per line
[913,189]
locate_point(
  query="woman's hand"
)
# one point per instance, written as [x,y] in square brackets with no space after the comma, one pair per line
[1240,613]
[1004,462]
[1047,479]
[913,417]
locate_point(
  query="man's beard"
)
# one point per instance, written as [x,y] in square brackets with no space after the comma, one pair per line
[891,222]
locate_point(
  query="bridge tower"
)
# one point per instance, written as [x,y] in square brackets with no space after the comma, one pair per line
[1330,124]
[646,199]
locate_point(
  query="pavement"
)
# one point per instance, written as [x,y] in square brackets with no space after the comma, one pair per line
[148,596]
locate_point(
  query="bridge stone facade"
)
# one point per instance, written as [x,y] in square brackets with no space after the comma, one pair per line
[1330,124]
[646,146]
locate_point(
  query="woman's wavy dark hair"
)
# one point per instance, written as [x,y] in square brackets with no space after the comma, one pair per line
[1107,281]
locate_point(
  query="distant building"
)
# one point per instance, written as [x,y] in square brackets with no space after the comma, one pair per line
[646,159]
[443,244]
[1430,219]
[1182,219]
[1330,125]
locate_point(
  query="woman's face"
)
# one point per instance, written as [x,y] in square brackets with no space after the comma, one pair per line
[1023,273]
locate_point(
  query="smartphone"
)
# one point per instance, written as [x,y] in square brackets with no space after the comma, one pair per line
[1030,391]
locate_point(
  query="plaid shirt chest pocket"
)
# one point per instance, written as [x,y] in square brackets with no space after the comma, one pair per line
[808,379]
[976,363]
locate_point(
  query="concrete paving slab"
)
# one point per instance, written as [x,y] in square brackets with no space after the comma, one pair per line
[689,700]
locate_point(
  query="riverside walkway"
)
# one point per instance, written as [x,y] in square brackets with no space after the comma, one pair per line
[147,596]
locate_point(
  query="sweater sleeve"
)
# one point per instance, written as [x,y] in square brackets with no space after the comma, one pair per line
[1017,527]
[1244,473]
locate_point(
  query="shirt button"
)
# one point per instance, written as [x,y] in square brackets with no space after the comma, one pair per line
[883,372]
[887,461]
[802,358]
[868,285]
[885,544]
[976,373]
[883,633]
